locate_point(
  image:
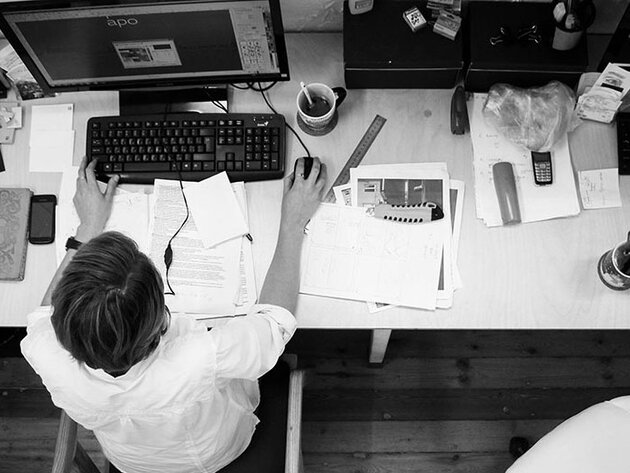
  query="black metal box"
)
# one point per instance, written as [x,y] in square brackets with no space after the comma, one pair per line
[380,51]
[520,62]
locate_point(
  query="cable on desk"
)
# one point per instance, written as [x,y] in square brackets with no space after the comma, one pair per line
[247,86]
[251,86]
[261,88]
[168,252]
[262,92]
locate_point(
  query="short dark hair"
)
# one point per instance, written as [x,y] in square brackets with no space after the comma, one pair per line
[108,307]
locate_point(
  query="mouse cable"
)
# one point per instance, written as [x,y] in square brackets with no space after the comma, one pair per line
[262,92]
[168,252]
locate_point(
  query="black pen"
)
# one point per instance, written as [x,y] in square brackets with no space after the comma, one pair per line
[249,237]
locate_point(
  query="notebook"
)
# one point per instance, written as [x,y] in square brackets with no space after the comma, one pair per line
[14,210]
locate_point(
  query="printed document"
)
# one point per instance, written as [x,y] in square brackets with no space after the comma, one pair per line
[410,184]
[457,210]
[351,255]
[204,280]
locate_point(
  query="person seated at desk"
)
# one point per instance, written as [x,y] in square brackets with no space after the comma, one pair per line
[161,393]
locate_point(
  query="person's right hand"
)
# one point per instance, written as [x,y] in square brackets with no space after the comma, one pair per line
[302,196]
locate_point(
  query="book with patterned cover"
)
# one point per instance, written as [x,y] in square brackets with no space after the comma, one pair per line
[15,205]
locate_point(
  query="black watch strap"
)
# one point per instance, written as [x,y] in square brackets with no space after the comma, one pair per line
[73,244]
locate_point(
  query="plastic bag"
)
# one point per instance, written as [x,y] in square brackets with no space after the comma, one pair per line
[534,118]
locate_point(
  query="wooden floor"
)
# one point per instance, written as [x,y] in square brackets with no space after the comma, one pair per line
[443,401]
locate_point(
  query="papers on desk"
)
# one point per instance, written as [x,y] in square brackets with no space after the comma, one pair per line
[599,188]
[216,281]
[601,102]
[536,202]
[130,214]
[354,256]
[350,254]
[216,210]
[52,138]
[208,282]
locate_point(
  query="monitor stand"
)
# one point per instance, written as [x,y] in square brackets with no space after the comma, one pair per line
[156,101]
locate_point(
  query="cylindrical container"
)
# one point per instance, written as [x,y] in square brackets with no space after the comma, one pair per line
[564,40]
[614,267]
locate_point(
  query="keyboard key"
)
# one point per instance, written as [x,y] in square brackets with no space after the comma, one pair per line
[153,167]
[203,157]
[253,165]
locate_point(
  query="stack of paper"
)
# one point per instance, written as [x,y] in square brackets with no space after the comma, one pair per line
[52,138]
[536,202]
[207,279]
[351,253]
[601,102]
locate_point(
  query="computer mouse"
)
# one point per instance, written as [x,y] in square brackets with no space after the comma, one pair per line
[308,165]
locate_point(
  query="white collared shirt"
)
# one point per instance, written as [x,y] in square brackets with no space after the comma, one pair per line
[188,407]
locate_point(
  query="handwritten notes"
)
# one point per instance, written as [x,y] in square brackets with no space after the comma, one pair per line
[599,188]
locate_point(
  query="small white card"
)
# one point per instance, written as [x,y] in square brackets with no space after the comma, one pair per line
[215,210]
[52,117]
[51,151]
[599,188]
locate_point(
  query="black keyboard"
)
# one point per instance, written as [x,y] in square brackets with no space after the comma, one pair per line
[623,142]
[190,146]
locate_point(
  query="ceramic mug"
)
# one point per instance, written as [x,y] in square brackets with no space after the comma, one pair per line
[325,102]
[614,267]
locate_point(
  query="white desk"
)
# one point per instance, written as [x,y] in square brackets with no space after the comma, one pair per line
[535,276]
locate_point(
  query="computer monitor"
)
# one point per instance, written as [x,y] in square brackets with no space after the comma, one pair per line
[126,45]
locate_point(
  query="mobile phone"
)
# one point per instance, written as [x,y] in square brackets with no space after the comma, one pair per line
[42,219]
[542,168]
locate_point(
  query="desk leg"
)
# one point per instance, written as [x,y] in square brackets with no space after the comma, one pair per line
[378,345]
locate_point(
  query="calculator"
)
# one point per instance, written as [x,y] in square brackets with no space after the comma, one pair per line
[542,168]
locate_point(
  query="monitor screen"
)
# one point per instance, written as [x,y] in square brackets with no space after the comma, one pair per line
[112,44]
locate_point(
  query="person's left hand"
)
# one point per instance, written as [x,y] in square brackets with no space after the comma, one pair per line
[93,206]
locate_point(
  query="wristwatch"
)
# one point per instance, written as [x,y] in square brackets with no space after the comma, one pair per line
[73,244]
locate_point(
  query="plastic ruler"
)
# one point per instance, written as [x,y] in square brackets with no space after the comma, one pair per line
[357,155]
